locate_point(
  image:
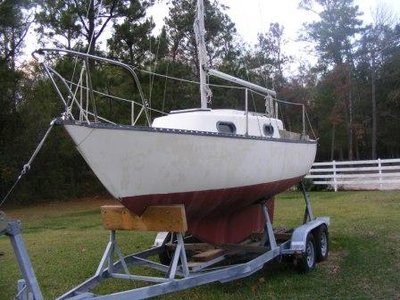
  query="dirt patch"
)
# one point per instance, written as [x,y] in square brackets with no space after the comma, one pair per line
[395,237]
[335,260]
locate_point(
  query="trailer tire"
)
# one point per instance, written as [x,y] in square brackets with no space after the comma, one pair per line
[322,243]
[306,262]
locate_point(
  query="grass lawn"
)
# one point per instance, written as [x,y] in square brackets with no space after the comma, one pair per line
[66,240]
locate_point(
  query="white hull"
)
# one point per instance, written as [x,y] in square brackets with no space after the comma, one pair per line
[132,162]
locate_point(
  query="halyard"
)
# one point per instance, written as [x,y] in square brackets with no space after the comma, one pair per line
[65,241]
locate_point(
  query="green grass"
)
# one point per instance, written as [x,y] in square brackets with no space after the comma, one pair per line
[65,242]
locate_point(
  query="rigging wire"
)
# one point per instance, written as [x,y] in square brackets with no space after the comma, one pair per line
[27,166]
[151,83]
[112,97]
[99,6]
[254,103]
[91,38]
[165,89]
[190,81]
[311,128]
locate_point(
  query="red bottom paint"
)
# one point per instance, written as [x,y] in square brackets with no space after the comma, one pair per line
[219,216]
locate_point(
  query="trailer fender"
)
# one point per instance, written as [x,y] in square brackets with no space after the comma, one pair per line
[299,236]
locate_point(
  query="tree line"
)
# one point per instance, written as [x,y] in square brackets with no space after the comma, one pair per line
[352,93]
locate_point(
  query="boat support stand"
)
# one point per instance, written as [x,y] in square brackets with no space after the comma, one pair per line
[178,275]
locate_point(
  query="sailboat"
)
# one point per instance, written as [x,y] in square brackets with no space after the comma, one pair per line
[219,163]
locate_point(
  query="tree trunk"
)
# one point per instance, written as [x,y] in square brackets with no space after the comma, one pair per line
[91,35]
[333,142]
[350,128]
[357,149]
[341,156]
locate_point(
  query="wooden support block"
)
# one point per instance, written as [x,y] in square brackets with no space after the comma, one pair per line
[170,218]
[208,255]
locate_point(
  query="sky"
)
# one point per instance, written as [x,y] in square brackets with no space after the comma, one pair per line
[263,12]
[254,16]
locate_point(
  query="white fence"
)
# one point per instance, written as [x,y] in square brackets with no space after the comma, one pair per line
[380,174]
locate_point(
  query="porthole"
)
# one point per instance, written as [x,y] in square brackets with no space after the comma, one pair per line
[226,127]
[268,130]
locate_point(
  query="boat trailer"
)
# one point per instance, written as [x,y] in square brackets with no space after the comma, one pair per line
[181,261]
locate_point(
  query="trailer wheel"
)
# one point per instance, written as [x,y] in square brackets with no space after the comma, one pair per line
[306,262]
[322,243]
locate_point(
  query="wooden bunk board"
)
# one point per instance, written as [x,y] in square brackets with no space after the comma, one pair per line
[170,218]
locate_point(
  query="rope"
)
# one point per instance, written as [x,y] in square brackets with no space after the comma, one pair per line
[27,166]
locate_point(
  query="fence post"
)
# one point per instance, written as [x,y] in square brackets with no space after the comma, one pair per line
[335,186]
[380,174]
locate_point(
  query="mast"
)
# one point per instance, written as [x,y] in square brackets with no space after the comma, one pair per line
[199,31]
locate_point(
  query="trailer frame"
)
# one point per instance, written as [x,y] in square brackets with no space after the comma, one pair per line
[180,274]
